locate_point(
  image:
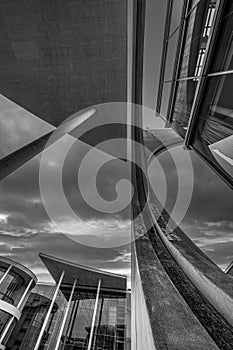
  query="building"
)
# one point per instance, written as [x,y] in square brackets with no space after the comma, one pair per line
[184,299]
[84,309]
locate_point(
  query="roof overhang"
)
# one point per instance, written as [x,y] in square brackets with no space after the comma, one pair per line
[86,276]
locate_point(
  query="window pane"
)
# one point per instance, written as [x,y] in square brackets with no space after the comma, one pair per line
[183,104]
[214,134]
[165,99]
[176,15]
[223,50]
[198,26]
[171,55]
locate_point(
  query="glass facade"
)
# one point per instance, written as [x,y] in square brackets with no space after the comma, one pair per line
[28,328]
[109,327]
[214,132]
[196,35]
[4,319]
[12,288]
[197,99]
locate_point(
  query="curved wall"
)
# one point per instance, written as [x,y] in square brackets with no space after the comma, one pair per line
[16,282]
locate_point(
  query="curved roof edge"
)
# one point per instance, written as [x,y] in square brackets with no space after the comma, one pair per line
[86,276]
[18,268]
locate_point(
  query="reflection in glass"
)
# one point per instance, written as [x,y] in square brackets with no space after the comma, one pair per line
[183,104]
[214,135]
[171,55]
[223,52]
[197,32]
[12,288]
[165,99]
[176,15]
[109,328]
[4,318]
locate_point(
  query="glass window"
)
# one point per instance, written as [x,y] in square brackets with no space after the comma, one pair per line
[198,26]
[2,271]
[28,328]
[4,318]
[171,55]
[223,50]
[107,331]
[12,288]
[176,14]
[183,104]
[214,133]
[165,99]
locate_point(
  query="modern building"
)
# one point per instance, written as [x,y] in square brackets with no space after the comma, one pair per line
[180,298]
[84,309]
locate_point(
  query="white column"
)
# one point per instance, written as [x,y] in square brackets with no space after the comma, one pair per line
[5,273]
[6,329]
[66,315]
[25,294]
[49,312]
[94,316]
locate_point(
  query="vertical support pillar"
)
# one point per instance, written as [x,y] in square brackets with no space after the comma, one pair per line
[24,294]
[66,315]
[94,316]
[5,273]
[49,312]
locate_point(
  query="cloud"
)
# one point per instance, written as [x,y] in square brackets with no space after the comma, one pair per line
[214,238]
